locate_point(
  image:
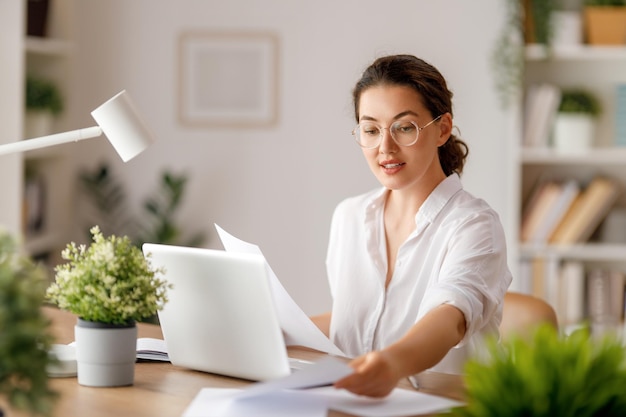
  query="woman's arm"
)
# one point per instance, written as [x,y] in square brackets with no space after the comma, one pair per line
[323,322]
[425,344]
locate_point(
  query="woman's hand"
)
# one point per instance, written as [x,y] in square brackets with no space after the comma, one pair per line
[374,375]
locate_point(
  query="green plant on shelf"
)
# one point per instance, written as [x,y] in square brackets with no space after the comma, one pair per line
[43,94]
[579,101]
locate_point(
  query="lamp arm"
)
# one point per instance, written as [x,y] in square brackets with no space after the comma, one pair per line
[51,140]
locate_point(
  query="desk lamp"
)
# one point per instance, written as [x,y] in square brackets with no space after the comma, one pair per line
[117,119]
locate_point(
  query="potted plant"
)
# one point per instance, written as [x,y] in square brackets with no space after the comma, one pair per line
[109,285]
[605,22]
[25,336]
[548,375]
[574,123]
[43,102]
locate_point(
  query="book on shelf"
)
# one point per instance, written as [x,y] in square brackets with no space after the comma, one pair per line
[571,305]
[541,106]
[605,299]
[546,207]
[579,295]
[586,212]
[620,115]
[543,196]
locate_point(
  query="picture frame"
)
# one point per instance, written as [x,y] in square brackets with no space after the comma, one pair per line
[228,79]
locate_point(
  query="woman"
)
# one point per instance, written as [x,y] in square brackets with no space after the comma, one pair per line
[417,269]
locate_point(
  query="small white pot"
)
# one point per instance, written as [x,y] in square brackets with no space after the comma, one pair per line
[37,123]
[573,133]
[105,354]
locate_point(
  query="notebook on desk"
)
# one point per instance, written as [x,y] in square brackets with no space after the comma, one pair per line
[220,317]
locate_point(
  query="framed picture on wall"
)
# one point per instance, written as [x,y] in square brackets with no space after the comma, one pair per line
[228,79]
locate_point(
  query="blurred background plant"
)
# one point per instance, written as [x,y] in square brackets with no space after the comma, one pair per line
[26,338]
[159,225]
[109,209]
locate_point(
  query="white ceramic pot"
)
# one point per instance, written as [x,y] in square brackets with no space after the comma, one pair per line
[37,123]
[573,133]
[105,354]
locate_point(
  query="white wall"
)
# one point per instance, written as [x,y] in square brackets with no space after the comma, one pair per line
[277,187]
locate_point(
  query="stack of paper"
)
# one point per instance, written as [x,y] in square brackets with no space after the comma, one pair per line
[296,395]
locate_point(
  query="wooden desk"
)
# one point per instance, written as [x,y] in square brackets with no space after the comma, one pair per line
[161,389]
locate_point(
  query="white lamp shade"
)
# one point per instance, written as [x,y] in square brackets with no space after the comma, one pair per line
[122,125]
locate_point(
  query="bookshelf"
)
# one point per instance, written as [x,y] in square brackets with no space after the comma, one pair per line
[49,57]
[600,69]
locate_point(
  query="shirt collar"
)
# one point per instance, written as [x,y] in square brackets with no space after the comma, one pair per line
[431,207]
[439,197]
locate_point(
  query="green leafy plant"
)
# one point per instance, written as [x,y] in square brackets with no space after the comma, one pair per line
[529,20]
[25,336]
[579,101]
[157,224]
[108,282]
[107,204]
[548,375]
[507,58]
[42,94]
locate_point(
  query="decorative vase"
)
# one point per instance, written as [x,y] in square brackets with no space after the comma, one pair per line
[573,133]
[105,353]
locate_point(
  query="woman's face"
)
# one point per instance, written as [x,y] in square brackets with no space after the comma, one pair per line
[403,167]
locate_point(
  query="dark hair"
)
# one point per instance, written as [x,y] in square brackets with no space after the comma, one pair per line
[427,81]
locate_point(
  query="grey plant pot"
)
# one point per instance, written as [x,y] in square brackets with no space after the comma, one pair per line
[105,353]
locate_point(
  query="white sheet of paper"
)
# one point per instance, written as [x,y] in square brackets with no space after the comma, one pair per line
[297,326]
[400,402]
[220,402]
[323,372]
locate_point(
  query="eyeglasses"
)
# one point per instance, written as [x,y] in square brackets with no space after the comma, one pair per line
[404,132]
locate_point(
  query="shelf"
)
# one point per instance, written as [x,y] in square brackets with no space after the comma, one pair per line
[47,46]
[591,252]
[576,52]
[597,156]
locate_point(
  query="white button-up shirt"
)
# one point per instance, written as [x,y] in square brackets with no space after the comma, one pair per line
[456,255]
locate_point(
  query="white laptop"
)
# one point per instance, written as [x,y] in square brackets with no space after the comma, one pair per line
[220,317]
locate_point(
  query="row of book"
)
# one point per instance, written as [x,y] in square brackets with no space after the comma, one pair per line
[566,212]
[577,294]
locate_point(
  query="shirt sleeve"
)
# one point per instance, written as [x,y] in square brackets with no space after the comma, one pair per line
[474,275]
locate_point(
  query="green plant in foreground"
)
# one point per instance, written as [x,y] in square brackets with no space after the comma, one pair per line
[548,375]
[24,336]
[108,282]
